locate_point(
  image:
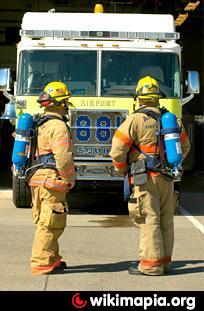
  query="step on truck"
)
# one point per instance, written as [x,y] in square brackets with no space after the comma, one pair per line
[100,57]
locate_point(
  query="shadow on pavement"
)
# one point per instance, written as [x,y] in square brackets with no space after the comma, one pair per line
[178,267]
[110,267]
[186,267]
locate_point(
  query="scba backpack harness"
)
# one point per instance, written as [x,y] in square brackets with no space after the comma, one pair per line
[168,163]
[26,161]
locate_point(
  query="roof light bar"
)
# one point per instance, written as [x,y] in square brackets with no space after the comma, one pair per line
[100,34]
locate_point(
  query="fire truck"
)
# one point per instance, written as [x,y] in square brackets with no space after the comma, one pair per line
[100,57]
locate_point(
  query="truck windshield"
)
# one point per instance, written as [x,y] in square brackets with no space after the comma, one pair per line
[75,68]
[122,70]
[96,73]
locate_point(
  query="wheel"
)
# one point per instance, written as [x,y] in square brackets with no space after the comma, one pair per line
[21,193]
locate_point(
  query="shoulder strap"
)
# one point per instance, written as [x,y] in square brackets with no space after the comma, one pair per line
[38,120]
[149,113]
[152,113]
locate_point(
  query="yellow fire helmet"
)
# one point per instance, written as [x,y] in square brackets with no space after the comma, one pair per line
[148,88]
[54,93]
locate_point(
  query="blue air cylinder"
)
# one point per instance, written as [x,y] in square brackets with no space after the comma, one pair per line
[22,141]
[170,130]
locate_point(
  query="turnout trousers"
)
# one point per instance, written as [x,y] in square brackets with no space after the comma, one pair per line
[152,210]
[49,212]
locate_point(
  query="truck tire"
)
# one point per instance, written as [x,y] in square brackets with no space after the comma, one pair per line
[21,193]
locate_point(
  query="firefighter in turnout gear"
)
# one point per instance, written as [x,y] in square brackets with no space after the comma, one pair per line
[135,144]
[50,183]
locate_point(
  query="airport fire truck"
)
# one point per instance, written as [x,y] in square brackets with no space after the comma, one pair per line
[100,57]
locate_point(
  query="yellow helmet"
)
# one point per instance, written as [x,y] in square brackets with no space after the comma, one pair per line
[148,88]
[54,93]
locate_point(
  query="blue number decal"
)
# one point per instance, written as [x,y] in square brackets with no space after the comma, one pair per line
[103,131]
[103,128]
[83,128]
[118,121]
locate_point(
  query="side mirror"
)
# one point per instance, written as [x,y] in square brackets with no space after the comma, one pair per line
[193,83]
[5,79]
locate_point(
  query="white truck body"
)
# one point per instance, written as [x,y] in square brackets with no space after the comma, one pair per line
[98,22]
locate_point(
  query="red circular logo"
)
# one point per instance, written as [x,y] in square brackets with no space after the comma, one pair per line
[77,302]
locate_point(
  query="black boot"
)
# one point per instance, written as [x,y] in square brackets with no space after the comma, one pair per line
[134,270]
[59,269]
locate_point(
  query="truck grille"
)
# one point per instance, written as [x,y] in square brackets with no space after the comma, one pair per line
[92,132]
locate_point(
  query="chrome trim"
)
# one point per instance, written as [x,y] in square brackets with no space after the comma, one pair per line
[96,171]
